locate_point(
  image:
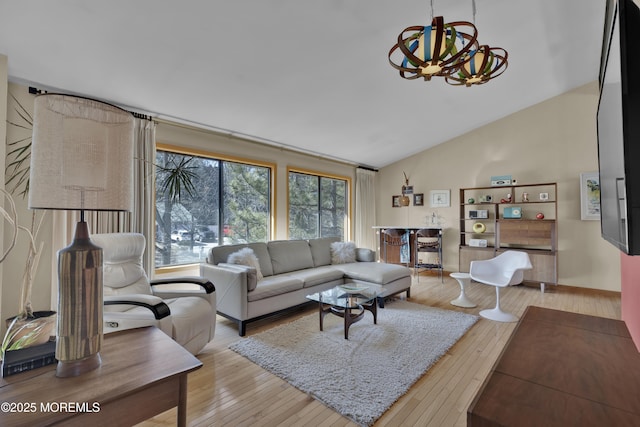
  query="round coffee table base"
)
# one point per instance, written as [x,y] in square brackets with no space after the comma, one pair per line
[350,315]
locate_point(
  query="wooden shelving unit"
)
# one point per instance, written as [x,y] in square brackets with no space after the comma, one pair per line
[495,234]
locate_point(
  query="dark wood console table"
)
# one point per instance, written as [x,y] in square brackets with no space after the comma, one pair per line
[562,369]
[143,373]
[393,252]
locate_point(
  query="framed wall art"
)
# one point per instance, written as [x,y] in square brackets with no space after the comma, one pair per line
[418,199]
[439,198]
[589,196]
[395,201]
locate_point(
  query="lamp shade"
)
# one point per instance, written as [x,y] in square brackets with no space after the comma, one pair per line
[81,155]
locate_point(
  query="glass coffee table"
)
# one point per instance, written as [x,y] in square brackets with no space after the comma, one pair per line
[348,302]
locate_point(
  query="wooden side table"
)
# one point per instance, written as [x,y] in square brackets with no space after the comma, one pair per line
[562,369]
[143,373]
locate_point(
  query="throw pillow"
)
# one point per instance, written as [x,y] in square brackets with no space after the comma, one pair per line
[365,255]
[343,252]
[246,256]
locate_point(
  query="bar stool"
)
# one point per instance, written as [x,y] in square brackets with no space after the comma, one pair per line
[428,240]
[395,237]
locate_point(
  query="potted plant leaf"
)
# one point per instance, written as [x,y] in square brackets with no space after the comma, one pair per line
[27,328]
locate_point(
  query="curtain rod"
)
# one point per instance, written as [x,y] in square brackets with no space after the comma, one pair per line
[197,126]
[36,91]
[368,168]
[140,115]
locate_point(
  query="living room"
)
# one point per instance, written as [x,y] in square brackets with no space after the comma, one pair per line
[552,141]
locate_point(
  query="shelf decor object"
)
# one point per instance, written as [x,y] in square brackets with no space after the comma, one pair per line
[81,159]
[479,227]
[502,180]
[512,212]
[403,199]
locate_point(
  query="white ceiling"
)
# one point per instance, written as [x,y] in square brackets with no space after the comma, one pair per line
[313,75]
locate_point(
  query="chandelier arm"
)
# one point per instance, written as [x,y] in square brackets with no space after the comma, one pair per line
[497,71]
[406,51]
[406,73]
[485,59]
[501,60]
[496,68]
[402,43]
[472,39]
[438,25]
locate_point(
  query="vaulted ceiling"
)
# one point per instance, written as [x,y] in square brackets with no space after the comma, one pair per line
[309,75]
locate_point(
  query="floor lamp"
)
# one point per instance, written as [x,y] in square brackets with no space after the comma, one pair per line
[81,159]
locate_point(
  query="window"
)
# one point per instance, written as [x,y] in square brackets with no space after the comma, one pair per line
[318,206]
[230,203]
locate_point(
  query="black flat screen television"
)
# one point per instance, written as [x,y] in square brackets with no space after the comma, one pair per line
[618,121]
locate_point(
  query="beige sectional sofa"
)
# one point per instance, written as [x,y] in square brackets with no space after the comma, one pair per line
[288,271]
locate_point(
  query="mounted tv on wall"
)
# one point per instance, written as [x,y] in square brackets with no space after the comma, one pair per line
[618,122]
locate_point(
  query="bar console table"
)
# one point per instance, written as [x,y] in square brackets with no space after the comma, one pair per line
[393,253]
[562,369]
[143,373]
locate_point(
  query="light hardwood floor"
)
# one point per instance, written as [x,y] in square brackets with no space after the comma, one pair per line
[231,391]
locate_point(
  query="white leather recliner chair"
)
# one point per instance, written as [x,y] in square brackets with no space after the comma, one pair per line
[504,270]
[183,308]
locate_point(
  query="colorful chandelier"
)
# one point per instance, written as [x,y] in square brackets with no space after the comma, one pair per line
[436,50]
[449,50]
[479,66]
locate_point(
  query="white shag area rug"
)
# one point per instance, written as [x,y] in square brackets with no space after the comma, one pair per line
[363,376]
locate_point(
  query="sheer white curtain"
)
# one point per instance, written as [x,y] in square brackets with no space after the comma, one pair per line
[365,208]
[143,214]
[140,220]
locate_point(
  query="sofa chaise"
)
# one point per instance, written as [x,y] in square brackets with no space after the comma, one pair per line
[286,271]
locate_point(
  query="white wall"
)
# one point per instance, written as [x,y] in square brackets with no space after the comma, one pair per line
[553,141]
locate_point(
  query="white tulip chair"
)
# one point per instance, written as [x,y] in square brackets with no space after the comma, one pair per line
[507,269]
